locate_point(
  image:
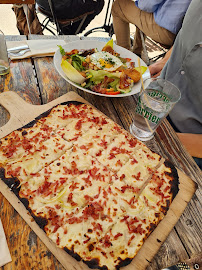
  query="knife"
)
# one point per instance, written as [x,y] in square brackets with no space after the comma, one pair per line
[19,48]
[194,263]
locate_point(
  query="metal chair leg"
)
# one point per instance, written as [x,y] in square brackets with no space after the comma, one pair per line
[25,8]
[144,48]
[59,31]
[80,25]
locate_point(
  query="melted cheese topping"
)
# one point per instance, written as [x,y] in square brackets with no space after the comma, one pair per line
[157,194]
[34,162]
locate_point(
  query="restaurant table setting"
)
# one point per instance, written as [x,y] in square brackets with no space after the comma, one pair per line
[176,239]
[32,48]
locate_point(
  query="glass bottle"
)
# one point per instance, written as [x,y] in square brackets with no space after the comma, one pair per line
[4,62]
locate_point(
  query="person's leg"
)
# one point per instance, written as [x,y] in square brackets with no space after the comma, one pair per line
[137,44]
[125,12]
[151,29]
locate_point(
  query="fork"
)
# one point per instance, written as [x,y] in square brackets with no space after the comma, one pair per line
[20,53]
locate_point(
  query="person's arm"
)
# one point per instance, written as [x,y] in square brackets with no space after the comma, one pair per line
[155,69]
[192,142]
[148,5]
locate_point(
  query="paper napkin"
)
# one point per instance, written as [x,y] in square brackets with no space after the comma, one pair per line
[5,256]
[38,48]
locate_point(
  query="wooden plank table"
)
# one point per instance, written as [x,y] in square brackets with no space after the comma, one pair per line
[37,82]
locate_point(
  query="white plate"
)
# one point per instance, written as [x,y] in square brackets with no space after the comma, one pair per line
[90,44]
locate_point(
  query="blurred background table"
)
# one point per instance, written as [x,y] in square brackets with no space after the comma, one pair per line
[37,81]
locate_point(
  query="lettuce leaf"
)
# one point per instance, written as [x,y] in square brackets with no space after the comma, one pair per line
[62,51]
[77,62]
[71,72]
[98,75]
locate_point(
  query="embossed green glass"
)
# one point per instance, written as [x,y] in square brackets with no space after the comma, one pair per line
[155,101]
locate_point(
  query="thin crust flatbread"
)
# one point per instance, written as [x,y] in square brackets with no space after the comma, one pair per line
[96,191]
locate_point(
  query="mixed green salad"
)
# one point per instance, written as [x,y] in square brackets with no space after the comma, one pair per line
[104,72]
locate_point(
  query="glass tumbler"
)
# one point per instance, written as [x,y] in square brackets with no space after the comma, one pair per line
[4,62]
[156,99]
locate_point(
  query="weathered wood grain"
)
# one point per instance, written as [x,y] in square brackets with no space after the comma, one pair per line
[166,255]
[189,225]
[21,78]
[4,116]
[51,84]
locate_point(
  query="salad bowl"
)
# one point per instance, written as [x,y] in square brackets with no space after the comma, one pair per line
[91,44]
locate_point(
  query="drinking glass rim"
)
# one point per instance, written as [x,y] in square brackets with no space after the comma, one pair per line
[164,80]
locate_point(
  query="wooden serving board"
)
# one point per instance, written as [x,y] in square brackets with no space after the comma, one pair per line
[21,113]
